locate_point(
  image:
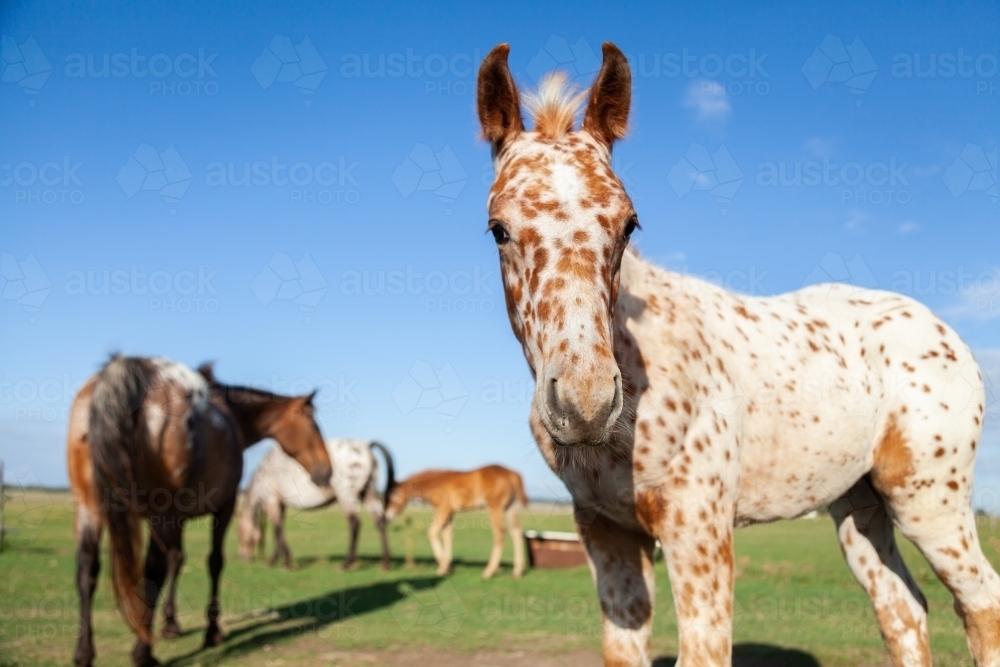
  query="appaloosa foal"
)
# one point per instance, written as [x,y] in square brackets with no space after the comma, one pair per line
[673,409]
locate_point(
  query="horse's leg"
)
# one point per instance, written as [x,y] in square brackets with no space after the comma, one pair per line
[865,531]
[946,535]
[433,534]
[277,516]
[621,562]
[496,553]
[383,533]
[514,525]
[175,561]
[216,559]
[377,512]
[162,537]
[88,567]
[353,527]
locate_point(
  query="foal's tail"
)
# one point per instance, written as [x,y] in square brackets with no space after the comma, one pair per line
[519,490]
[117,443]
[390,472]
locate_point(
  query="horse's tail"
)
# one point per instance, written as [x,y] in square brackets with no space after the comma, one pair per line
[519,490]
[117,440]
[390,472]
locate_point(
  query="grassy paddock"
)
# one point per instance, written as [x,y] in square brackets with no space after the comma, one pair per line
[796,603]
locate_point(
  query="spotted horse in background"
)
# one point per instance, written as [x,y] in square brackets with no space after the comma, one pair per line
[675,410]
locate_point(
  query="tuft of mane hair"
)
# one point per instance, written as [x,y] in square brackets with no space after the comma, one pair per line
[554,106]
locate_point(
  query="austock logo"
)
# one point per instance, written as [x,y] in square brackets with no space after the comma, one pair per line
[50,182]
[148,170]
[578,59]
[283,279]
[973,170]
[716,173]
[423,387]
[424,170]
[24,282]
[182,74]
[24,65]
[834,62]
[284,62]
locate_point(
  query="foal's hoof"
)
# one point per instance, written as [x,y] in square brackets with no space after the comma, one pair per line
[386,566]
[213,637]
[348,565]
[171,630]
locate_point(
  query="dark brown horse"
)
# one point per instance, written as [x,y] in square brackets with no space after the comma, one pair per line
[152,439]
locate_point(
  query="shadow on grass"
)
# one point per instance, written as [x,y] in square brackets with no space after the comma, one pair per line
[759,655]
[309,615]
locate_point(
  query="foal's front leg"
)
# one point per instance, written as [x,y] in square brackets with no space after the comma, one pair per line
[691,511]
[621,562]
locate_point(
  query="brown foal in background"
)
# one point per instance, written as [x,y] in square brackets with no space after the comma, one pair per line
[449,491]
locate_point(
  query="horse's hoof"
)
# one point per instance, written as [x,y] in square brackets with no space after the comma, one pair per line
[84,658]
[386,566]
[171,630]
[348,565]
[214,637]
[142,656]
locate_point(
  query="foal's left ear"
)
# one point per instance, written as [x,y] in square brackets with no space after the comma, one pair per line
[607,111]
[308,400]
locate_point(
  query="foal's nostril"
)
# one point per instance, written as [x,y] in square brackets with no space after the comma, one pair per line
[555,408]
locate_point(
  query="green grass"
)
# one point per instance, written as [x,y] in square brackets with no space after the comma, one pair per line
[795,598]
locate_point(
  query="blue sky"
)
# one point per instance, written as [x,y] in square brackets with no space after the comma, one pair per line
[297,192]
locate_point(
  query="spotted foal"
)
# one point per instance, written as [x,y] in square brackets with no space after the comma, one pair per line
[675,410]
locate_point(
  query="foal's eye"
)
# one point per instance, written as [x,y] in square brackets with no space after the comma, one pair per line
[500,234]
[631,226]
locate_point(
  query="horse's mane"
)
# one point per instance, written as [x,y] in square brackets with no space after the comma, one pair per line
[554,106]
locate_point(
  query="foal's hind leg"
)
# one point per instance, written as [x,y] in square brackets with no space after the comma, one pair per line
[175,561]
[946,535]
[865,531]
[496,519]
[514,525]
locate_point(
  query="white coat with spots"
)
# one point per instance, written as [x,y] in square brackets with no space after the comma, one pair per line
[675,410]
[280,483]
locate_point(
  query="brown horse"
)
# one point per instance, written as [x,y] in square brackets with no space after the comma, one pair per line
[450,491]
[151,438]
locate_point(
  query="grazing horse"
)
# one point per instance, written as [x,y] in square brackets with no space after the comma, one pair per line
[675,410]
[279,482]
[151,438]
[449,491]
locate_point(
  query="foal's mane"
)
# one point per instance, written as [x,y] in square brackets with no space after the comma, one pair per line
[554,105]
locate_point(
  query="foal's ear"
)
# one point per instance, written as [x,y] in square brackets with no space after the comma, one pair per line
[607,111]
[499,105]
[308,400]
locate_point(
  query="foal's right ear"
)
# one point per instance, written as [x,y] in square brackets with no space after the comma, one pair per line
[499,105]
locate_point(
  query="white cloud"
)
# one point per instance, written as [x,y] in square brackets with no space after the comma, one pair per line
[978,298]
[709,101]
[908,227]
[820,147]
